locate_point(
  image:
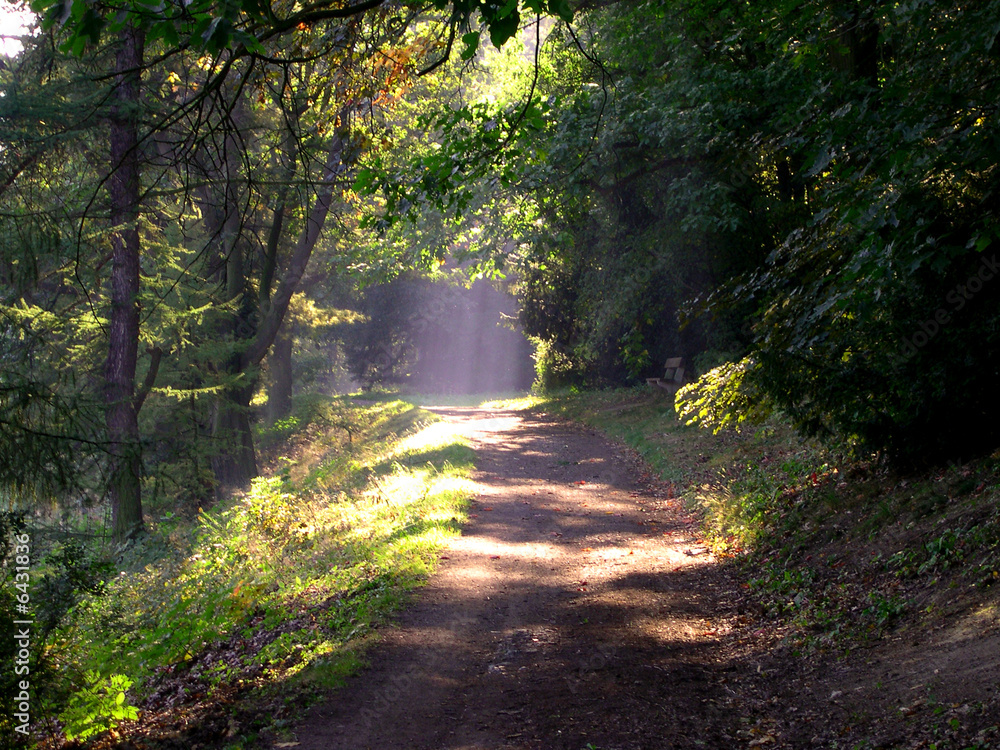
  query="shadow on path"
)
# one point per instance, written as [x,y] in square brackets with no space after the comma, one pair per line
[577,610]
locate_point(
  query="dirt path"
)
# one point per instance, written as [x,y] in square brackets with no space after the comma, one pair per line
[574,611]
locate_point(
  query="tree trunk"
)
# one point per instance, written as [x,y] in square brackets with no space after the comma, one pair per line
[121,414]
[279,365]
[234,459]
[234,462]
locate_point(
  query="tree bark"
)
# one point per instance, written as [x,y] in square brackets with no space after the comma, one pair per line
[121,407]
[279,365]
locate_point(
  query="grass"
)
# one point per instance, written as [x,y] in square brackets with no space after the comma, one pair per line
[278,590]
[484,400]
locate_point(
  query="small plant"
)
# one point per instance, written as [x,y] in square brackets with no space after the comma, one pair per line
[883,610]
[98,707]
[941,552]
[904,563]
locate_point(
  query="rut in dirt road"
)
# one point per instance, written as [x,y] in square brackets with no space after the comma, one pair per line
[576,609]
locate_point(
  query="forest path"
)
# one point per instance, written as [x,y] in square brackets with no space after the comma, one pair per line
[576,610]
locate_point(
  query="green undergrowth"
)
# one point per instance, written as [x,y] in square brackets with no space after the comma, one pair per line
[837,549]
[279,588]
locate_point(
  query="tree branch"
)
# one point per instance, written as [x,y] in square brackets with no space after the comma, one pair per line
[156,354]
[308,237]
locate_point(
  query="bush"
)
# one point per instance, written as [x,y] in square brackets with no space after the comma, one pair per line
[725,396]
[553,368]
[99,706]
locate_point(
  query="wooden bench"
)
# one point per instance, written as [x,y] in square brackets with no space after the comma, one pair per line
[673,375]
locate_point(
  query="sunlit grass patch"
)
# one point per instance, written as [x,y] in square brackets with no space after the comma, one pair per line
[495,400]
[286,581]
[462,399]
[439,441]
[513,403]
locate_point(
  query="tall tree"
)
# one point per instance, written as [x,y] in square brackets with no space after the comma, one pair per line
[124,486]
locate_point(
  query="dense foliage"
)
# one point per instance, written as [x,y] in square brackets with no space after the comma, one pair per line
[810,185]
[853,161]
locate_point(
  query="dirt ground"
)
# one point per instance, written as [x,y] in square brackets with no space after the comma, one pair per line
[579,610]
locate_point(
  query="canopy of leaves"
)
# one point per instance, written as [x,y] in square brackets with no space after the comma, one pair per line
[811,184]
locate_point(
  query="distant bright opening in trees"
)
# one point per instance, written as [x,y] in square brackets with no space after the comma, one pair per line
[467,343]
[439,336]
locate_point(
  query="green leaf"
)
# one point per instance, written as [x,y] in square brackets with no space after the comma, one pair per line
[364,181]
[562,9]
[507,9]
[471,41]
[249,41]
[166,31]
[502,29]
